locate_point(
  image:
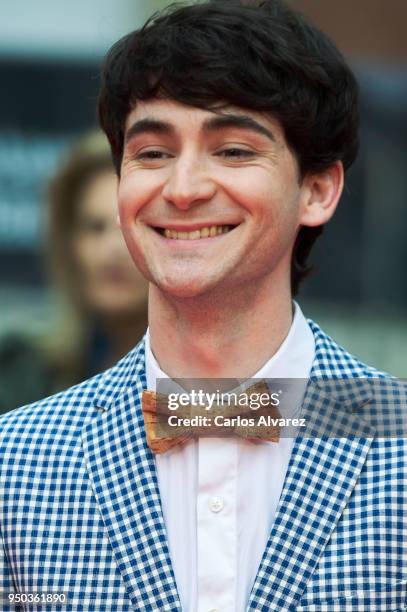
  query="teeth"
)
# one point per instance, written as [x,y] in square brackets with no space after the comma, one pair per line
[205,232]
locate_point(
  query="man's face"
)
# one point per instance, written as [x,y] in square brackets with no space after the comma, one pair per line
[187,172]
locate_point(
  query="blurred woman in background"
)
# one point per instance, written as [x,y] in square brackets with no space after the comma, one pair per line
[104,296]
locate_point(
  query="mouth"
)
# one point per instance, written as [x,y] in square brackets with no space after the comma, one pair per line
[208,231]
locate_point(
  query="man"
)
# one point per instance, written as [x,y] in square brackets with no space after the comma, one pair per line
[231,125]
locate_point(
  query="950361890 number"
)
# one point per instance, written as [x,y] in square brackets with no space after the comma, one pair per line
[37,598]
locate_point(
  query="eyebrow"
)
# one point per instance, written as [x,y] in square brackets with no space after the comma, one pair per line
[219,122]
[237,121]
[153,126]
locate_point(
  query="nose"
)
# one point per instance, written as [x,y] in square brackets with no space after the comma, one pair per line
[188,184]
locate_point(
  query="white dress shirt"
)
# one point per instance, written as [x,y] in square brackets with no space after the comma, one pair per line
[219,495]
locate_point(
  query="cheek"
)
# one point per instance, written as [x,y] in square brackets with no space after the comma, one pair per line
[135,191]
[256,198]
[128,207]
[133,237]
[132,245]
[255,188]
[271,201]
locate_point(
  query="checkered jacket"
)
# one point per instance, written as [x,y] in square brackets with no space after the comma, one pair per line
[80,506]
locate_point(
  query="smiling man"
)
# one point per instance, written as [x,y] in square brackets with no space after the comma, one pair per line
[231,125]
[210,206]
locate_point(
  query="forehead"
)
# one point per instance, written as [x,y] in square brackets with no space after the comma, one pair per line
[182,116]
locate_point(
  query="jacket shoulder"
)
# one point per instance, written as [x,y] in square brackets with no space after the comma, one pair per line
[340,373]
[62,414]
[66,408]
[333,361]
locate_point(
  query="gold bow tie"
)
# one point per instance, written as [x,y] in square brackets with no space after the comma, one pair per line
[193,421]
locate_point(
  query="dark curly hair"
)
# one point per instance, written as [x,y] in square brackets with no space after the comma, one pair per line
[256,54]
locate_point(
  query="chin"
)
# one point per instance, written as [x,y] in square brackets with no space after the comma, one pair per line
[177,289]
[182,292]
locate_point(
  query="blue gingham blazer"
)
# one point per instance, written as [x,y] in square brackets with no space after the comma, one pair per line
[80,507]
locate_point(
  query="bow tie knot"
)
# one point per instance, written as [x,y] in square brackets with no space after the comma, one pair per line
[167,427]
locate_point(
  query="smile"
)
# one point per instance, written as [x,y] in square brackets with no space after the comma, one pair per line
[203,232]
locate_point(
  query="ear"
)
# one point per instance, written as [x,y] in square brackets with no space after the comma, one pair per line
[321,193]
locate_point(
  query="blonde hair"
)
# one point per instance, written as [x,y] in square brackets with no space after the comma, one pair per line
[89,157]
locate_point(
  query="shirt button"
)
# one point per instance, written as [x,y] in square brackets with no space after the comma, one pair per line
[216,505]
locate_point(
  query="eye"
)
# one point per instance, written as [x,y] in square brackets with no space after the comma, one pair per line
[152,155]
[235,153]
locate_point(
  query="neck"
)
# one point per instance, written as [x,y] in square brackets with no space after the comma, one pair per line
[219,335]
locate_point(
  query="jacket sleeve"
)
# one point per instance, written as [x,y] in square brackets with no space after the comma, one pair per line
[6,581]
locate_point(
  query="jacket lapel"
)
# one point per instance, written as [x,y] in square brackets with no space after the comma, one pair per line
[324,467]
[123,474]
